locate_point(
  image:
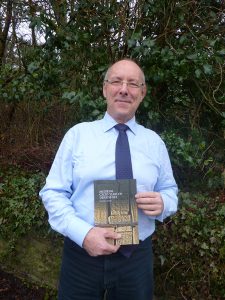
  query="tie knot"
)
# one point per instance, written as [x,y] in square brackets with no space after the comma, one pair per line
[121,127]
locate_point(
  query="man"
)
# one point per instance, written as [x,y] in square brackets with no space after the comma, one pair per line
[92,268]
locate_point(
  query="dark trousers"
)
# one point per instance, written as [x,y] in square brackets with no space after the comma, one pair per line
[114,276]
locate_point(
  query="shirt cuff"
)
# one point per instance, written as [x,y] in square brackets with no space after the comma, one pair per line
[77,230]
[170,207]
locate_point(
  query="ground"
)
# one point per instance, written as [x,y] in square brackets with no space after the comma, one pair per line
[12,288]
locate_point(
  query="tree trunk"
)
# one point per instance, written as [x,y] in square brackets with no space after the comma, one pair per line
[4,31]
[33,13]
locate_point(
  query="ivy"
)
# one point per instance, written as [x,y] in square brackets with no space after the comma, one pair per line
[21,210]
[190,249]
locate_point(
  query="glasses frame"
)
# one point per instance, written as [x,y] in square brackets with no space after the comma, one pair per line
[120,83]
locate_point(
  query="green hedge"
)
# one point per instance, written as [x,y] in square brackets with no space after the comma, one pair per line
[189,247]
[21,210]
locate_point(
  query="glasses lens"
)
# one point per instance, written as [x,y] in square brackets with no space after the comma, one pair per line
[120,83]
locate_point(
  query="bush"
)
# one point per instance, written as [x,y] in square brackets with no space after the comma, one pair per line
[190,250]
[20,208]
[189,247]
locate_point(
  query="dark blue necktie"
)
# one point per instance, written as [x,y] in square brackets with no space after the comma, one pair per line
[123,159]
[123,169]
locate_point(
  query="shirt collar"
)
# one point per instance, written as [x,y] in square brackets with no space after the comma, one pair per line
[109,123]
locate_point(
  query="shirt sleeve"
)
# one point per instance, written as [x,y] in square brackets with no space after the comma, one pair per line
[57,192]
[166,185]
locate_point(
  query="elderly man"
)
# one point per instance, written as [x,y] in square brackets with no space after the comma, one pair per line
[93,268]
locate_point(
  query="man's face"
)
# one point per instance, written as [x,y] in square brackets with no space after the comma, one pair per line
[123,100]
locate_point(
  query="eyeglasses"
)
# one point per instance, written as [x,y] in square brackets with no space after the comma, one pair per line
[130,84]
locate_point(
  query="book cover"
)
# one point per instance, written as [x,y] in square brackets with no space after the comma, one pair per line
[116,209]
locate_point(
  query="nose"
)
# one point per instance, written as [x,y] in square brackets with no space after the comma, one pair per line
[123,89]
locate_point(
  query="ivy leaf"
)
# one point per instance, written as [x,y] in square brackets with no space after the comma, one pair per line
[149,43]
[71,96]
[221,52]
[198,73]
[32,67]
[207,69]
[204,246]
[162,259]
[192,56]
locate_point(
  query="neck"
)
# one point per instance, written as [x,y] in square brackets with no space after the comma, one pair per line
[120,119]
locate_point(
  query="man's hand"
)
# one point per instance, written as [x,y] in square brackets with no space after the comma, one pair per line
[95,242]
[150,202]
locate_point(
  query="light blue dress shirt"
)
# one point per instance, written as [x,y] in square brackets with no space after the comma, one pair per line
[87,153]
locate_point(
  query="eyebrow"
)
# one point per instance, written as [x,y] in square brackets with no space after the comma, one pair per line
[120,78]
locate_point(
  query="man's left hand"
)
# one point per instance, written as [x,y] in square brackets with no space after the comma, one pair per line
[150,202]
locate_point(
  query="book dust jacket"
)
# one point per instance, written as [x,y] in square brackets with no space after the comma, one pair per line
[116,209]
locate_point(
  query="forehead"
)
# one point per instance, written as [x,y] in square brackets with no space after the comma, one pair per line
[125,69]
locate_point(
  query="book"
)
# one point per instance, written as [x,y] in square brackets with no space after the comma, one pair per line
[116,209]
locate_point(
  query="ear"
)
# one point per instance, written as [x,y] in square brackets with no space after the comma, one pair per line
[144,91]
[104,90]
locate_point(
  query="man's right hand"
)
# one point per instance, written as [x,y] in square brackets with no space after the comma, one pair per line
[95,242]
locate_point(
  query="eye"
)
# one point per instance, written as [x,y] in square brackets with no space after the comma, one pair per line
[133,84]
[116,82]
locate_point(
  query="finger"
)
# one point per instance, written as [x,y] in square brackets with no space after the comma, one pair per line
[112,249]
[112,235]
[109,249]
[104,248]
[146,195]
[151,213]
[150,201]
[150,207]
[142,195]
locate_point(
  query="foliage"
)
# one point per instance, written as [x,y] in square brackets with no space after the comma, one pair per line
[196,162]
[21,210]
[61,61]
[190,249]
[180,45]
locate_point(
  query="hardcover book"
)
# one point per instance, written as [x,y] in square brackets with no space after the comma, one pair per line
[116,209]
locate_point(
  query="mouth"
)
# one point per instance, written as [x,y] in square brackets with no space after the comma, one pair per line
[123,101]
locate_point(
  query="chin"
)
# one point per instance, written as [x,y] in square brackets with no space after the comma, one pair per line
[122,117]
